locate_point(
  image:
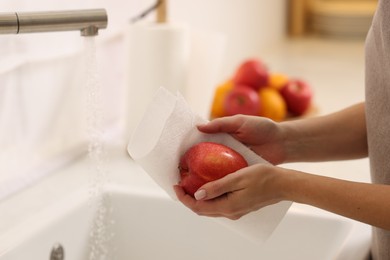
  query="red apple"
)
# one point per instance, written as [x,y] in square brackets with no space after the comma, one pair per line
[242,100]
[298,96]
[205,162]
[252,73]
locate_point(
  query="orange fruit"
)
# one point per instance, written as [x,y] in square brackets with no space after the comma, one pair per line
[273,105]
[217,107]
[277,80]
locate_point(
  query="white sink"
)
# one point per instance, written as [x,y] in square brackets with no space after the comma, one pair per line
[149,225]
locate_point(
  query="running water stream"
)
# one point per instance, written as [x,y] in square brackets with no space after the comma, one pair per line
[100,233]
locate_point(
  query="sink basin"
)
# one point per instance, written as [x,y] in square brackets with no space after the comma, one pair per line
[148,225]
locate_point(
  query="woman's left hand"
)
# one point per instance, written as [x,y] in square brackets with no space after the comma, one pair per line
[236,194]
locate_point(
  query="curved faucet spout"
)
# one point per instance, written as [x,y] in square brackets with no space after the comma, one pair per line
[88,22]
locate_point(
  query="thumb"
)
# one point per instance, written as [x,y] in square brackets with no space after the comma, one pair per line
[216,188]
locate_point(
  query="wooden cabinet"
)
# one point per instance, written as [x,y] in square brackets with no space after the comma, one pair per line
[297,12]
[331,17]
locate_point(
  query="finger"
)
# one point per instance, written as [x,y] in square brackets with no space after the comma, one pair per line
[202,208]
[214,189]
[221,206]
[221,125]
[182,196]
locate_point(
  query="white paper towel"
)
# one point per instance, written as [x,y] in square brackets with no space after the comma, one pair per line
[157,55]
[204,70]
[166,131]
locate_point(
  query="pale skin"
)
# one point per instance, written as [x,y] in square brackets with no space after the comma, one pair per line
[338,136]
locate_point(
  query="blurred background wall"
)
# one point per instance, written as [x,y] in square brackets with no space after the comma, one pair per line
[42,76]
[42,95]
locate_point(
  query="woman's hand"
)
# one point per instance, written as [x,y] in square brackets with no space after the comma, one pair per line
[341,135]
[236,194]
[262,135]
[338,136]
[260,185]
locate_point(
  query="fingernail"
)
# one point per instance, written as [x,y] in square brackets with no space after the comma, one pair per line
[200,194]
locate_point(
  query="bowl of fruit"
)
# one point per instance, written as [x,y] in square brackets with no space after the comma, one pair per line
[254,90]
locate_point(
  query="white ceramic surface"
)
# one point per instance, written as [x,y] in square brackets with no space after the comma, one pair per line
[149,225]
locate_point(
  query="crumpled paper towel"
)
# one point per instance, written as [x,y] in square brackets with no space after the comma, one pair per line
[166,131]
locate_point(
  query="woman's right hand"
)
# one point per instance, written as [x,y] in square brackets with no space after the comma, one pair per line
[262,135]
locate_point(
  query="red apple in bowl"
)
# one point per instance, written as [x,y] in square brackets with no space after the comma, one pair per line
[298,96]
[252,73]
[242,100]
[205,162]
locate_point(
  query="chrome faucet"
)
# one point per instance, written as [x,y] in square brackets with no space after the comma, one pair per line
[88,22]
